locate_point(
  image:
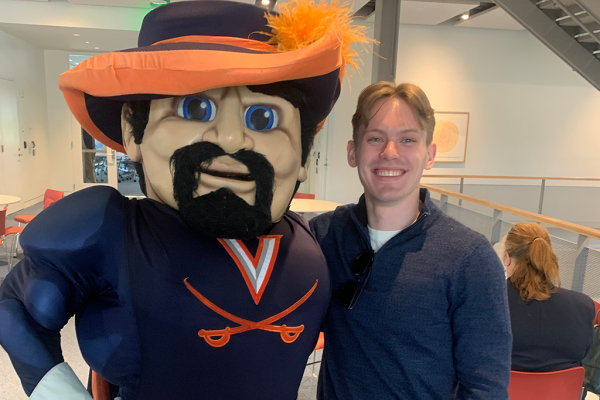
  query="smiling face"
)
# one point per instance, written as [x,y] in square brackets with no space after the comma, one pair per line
[391,153]
[236,120]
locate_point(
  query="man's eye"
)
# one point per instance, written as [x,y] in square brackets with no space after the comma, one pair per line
[374,139]
[408,140]
[197,108]
[261,118]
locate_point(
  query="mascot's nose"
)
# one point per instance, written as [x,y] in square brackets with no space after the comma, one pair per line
[229,130]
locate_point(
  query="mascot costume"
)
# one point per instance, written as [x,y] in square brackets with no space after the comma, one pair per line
[209,288]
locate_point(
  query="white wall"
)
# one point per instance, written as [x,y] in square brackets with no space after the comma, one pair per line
[530,113]
[24,63]
[59,122]
[342,181]
[58,13]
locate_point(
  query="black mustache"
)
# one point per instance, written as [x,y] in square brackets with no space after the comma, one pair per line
[195,158]
[228,175]
[222,213]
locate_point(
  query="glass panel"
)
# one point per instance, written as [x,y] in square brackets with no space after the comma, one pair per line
[474,220]
[100,168]
[591,284]
[128,178]
[93,158]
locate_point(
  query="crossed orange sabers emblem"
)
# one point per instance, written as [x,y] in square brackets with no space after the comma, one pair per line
[220,337]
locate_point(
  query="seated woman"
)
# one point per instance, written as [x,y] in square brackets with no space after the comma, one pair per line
[552,327]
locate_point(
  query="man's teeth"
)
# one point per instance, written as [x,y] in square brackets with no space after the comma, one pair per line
[388,173]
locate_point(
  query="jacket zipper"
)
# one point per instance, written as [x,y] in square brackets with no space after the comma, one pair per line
[414,225]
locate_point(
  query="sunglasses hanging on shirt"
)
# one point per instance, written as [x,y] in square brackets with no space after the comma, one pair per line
[361,268]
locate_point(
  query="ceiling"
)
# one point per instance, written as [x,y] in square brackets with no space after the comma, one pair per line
[61,38]
[108,25]
[495,18]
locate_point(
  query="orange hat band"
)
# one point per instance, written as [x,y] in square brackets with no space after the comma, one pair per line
[229,41]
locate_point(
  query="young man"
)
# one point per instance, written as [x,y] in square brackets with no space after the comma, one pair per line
[418,307]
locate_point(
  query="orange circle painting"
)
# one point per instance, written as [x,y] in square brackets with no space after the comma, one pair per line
[445,136]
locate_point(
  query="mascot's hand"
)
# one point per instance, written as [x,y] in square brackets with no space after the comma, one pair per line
[30,346]
[60,383]
[34,358]
[33,310]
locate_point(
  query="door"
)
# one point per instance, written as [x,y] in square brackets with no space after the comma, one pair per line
[318,170]
[95,164]
[11,151]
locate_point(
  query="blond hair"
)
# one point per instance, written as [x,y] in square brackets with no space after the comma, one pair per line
[411,94]
[535,274]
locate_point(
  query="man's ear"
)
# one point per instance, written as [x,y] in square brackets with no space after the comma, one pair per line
[431,151]
[303,173]
[131,147]
[351,148]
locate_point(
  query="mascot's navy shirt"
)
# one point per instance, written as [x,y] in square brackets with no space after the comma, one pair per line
[164,312]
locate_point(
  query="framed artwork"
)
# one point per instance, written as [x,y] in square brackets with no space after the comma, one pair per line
[450,136]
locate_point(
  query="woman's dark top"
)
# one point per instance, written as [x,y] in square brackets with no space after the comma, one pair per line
[550,335]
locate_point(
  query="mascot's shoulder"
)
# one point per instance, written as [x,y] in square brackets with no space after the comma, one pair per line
[76,218]
[298,221]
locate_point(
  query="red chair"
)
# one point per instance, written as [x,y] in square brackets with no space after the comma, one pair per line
[50,197]
[559,385]
[100,387]
[304,196]
[320,342]
[4,232]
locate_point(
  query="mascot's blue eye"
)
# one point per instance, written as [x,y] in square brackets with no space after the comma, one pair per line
[197,108]
[261,118]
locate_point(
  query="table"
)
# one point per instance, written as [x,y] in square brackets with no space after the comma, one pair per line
[298,205]
[6,199]
[312,206]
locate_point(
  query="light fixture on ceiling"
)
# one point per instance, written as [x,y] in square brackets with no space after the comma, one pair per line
[97,48]
[155,4]
[87,42]
[265,2]
[464,17]
[76,34]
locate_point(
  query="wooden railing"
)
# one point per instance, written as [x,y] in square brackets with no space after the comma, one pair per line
[536,178]
[558,223]
[543,179]
[584,233]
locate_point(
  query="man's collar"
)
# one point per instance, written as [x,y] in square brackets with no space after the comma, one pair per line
[360,210]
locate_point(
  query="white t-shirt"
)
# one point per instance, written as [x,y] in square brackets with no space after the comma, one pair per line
[379,238]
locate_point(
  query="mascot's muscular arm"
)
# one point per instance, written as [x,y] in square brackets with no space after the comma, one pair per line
[63,270]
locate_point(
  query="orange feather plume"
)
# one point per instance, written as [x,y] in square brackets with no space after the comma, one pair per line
[302,22]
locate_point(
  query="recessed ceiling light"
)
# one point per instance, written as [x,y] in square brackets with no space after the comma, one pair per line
[158,4]
[87,42]
[266,2]
[97,48]
[464,17]
[76,34]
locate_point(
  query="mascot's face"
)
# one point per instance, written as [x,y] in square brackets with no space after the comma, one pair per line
[228,159]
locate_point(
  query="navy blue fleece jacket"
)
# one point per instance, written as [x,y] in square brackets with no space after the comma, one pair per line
[431,323]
